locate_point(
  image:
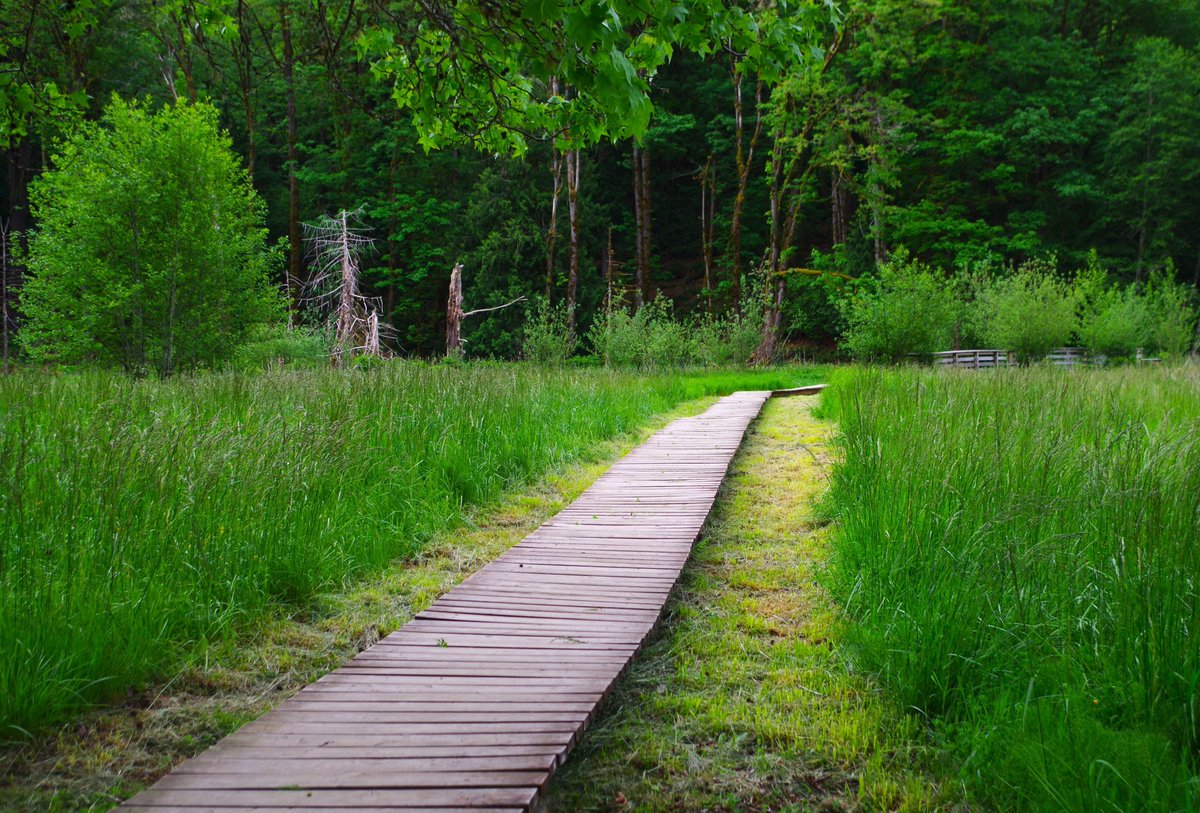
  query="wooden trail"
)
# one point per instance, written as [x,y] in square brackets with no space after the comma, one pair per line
[475,702]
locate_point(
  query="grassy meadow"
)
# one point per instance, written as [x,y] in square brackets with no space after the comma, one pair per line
[1017,556]
[141,519]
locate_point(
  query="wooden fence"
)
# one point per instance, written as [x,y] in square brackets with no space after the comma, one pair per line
[986,359]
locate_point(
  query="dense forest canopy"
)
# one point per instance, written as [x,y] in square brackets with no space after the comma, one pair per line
[549,144]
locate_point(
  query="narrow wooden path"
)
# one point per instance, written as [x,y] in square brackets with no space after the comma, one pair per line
[475,702]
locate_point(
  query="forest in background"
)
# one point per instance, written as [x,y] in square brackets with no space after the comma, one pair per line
[970,134]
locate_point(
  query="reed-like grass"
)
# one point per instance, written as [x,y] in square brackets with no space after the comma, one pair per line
[1019,553]
[139,519]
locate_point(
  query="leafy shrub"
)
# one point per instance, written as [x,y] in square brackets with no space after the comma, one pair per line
[151,250]
[742,335]
[654,337]
[667,342]
[907,309]
[1112,320]
[718,341]
[282,346]
[1030,312]
[1170,314]
[546,338]
[650,337]
[617,339]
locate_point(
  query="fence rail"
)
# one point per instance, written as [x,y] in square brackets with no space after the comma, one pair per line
[989,358]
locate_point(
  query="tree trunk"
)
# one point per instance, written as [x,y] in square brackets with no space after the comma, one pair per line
[454,315]
[708,197]
[639,249]
[745,159]
[390,295]
[4,323]
[775,283]
[784,219]
[840,200]
[294,241]
[244,60]
[608,276]
[647,241]
[1144,219]
[573,208]
[552,232]
[348,289]
[184,52]
[876,189]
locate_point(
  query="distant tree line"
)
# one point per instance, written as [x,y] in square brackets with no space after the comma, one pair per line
[732,159]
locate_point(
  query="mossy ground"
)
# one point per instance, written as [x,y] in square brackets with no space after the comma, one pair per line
[746,701]
[108,754]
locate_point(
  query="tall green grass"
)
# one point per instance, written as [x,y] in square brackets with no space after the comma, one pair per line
[139,518]
[1019,554]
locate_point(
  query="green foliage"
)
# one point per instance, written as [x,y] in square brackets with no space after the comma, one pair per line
[647,337]
[150,251]
[274,346]
[1113,321]
[1017,551]
[1029,312]
[725,340]
[606,53]
[141,515]
[654,337]
[37,88]
[1152,155]
[547,339]
[909,308]
[1171,311]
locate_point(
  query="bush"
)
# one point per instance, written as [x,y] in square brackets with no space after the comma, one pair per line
[908,309]
[150,251]
[1170,314]
[648,338]
[1112,321]
[546,338]
[283,346]
[654,337]
[1029,312]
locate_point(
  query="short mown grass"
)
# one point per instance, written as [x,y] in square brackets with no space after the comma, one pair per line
[141,521]
[108,753]
[745,700]
[1019,551]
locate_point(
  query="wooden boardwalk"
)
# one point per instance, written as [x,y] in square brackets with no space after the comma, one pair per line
[475,702]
